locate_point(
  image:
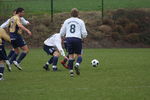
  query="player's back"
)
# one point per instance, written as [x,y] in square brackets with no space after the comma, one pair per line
[73,27]
[51,41]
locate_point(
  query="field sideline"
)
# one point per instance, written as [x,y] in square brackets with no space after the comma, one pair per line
[124,74]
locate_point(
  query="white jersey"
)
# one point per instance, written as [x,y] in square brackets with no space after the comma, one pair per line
[74,27]
[5,24]
[55,41]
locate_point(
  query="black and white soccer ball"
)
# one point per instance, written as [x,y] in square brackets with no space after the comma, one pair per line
[95,62]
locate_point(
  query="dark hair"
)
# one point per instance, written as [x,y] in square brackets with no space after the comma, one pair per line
[74,12]
[18,10]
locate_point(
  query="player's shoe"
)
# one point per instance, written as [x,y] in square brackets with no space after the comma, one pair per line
[64,64]
[46,67]
[17,65]
[8,65]
[71,73]
[1,77]
[55,69]
[76,67]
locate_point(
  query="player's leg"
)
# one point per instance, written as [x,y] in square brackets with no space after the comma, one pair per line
[78,50]
[11,52]
[55,60]
[5,58]
[49,50]
[2,58]
[64,61]
[23,54]
[1,69]
[14,56]
[70,64]
[79,60]
[20,43]
[14,43]
[70,48]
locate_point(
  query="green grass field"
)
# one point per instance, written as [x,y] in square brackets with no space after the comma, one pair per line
[123,74]
[43,6]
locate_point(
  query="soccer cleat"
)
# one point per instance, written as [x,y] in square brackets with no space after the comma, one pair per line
[71,73]
[64,64]
[8,66]
[1,79]
[55,69]
[17,65]
[46,67]
[76,67]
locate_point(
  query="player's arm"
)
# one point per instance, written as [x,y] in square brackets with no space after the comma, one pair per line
[5,24]
[22,27]
[59,47]
[24,22]
[63,30]
[83,30]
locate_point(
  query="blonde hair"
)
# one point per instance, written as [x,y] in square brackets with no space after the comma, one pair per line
[74,12]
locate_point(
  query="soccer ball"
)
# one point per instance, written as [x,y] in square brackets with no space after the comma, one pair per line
[94,62]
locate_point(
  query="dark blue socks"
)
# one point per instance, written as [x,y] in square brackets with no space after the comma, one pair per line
[70,64]
[13,58]
[79,59]
[10,53]
[21,57]
[1,69]
[50,61]
[55,60]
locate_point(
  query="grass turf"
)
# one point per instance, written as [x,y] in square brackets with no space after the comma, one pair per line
[43,6]
[123,74]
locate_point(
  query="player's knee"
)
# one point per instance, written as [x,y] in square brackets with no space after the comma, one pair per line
[79,55]
[56,53]
[1,62]
[26,50]
[71,56]
[17,51]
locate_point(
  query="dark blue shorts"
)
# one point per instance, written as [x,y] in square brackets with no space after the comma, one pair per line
[49,49]
[3,55]
[74,45]
[17,40]
[65,45]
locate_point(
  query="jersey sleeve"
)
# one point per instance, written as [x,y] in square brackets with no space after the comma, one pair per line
[59,46]
[23,21]
[5,24]
[83,30]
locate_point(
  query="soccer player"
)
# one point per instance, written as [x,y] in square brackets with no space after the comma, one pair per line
[3,37]
[74,31]
[17,41]
[5,25]
[23,21]
[52,46]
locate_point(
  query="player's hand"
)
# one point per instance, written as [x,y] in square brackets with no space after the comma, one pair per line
[28,23]
[66,57]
